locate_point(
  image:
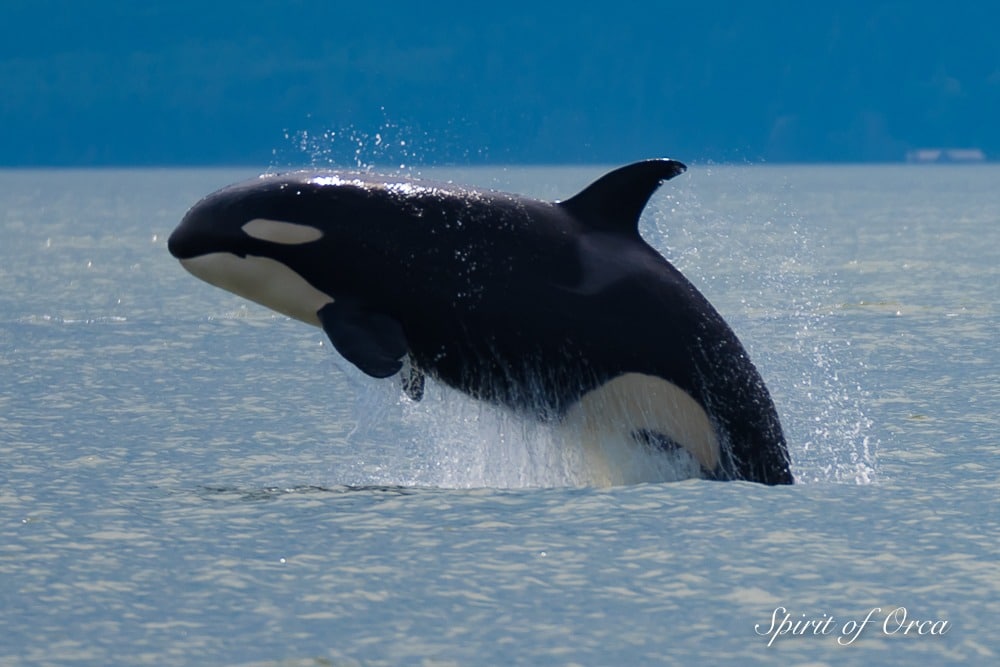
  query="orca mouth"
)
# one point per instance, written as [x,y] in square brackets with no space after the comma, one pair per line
[184,243]
[199,235]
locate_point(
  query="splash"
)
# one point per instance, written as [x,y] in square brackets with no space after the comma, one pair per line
[387,146]
[348,147]
[733,232]
[449,440]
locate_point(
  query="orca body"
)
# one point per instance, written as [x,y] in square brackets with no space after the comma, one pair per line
[557,309]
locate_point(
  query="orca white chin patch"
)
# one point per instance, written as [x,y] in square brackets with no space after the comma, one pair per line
[278,231]
[634,402]
[263,280]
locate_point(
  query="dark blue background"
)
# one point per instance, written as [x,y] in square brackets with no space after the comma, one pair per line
[102,83]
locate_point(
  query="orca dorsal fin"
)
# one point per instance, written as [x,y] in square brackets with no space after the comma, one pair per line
[615,201]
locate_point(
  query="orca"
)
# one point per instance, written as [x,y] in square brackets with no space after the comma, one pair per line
[555,309]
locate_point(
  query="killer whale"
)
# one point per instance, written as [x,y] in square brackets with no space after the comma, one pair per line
[558,309]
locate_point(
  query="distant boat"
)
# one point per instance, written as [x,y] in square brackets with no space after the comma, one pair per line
[945,156]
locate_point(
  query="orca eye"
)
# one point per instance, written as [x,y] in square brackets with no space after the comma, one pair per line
[285,233]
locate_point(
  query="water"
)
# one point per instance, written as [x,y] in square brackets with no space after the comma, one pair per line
[189,479]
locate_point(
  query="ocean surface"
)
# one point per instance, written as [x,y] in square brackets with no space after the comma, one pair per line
[187,478]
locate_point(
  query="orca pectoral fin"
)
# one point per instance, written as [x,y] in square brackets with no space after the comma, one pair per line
[372,341]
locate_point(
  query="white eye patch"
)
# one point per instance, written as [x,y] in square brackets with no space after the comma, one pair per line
[285,233]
